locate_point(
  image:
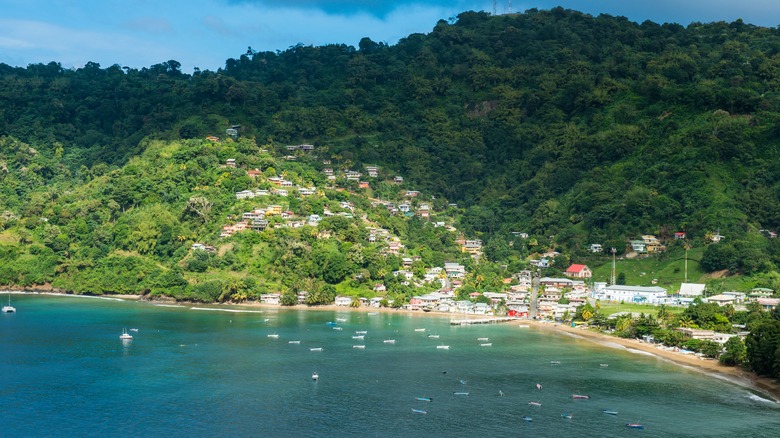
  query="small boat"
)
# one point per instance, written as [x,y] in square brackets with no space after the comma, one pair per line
[443,347]
[419,330]
[527,418]
[610,412]
[361,332]
[338,328]
[462,382]
[359,347]
[331,323]
[539,386]
[294,342]
[555,362]
[315,376]
[433,336]
[635,426]
[389,341]
[341,319]
[134,330]
[9,308]
[533,403]
[604,365]
[483,339]
[426,399]
[580,397]
[372,313]
[460,393]
[358,337]
[489,344]
[419,411]
[125,336]
[273,336]
[315,349]
[566,415]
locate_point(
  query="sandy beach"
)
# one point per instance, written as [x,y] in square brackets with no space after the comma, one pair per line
[714,368]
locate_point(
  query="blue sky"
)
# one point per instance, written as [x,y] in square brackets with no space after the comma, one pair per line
[204,33]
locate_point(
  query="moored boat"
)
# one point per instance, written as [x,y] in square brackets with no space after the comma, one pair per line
[610,412]
[425,399]
[566,415]
[533,403]
[443,347]
[635,426]
[483,339]
[419,411]
[273,336]
[389,341]
[433,336]
[527,418]
[315,376]
[294,342]
[419,330]
[489,344]
[358,337]
[359,347]
[9,308]
[125,336]
[580,396]
[315,349]
[460,393]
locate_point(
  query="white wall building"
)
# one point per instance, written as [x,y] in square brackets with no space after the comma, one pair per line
[632,294]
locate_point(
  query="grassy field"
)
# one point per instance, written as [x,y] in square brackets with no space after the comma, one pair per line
[668,269]
[647,309]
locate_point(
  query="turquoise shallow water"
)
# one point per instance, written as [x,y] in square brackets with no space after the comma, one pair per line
[64,372]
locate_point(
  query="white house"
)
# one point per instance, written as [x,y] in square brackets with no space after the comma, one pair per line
[633,294]
[343,301]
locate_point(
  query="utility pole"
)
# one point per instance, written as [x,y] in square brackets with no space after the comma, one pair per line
[686,261]
[614,278]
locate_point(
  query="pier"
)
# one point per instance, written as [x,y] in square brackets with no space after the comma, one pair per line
[481,321]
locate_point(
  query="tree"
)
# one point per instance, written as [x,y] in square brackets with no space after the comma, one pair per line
[621,278]
[735,352]
[763,348]
[288,298]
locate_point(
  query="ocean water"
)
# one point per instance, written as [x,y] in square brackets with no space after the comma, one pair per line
[65,372]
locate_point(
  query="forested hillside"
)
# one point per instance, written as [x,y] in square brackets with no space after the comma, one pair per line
[572,128]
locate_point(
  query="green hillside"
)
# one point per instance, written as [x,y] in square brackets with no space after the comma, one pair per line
[571,128]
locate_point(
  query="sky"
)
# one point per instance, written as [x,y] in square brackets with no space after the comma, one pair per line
[205,33]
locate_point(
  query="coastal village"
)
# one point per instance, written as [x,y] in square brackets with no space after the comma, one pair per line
[526,294]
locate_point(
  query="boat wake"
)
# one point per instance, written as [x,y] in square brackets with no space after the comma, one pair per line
[226,310]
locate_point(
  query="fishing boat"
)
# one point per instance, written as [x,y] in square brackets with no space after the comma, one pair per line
[315,376]
[483,339]
[273,336]
[389,341]
[603,365]
[419,411]
[533,403]
[361,332]
[443,347]
[610,412]
[315,349]
[527,418]
[433,336]
[338,328]
[294,342]
[358,337]
[635,426]
[134,330]
[460,393]
[9,308]
[566,415]
[489,344]
[359,347]
[555,362]
[419,330]
[425,399]
[125,336]
[580,397]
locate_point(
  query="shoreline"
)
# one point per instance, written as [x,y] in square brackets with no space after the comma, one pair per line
[709,367]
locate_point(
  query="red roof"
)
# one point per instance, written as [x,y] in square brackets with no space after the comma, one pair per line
[576,268]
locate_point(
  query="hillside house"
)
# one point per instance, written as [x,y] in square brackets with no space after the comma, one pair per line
[638,246]
[578,271]
[595,248]
[691,289]
[254,173]
[343,301]
[363,184]
[652,245]
[679,235]
[398,179]
[230,162]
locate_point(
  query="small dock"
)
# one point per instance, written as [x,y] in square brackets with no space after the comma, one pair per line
[480,321]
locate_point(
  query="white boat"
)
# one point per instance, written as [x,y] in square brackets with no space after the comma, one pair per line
[358,337]
[489,344]
[9,308]
[316,349]
[443,347]
[482,339]
[315,376]
[419,330]
[389,341]
[433,336]
[125,336]
[603,365]
[294,342]
[338,328]
[274,336]
[341,319]
[555,362]
[359,347]
[361,332]
[134,330]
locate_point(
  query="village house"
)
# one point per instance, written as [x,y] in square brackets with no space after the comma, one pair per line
[454,270]
[473,247]
[273,210]
[230,162]
[412,193]
[254,173]
[578,271]
[595,248]
[363,184]
[270,299]
[652,245]
[306,191]
[679,235]
[398,179]
[353,175]
[638,246]
[245,194]
[259,224]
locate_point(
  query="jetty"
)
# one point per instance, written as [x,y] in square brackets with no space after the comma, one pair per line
[481,321]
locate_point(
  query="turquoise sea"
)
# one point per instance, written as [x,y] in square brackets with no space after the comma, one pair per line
[65,372]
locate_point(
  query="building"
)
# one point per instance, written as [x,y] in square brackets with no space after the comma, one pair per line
[691,289]
[579,271]
[595,248]
[632,294]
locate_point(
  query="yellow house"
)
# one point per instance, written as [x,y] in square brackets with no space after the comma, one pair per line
[273,209]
